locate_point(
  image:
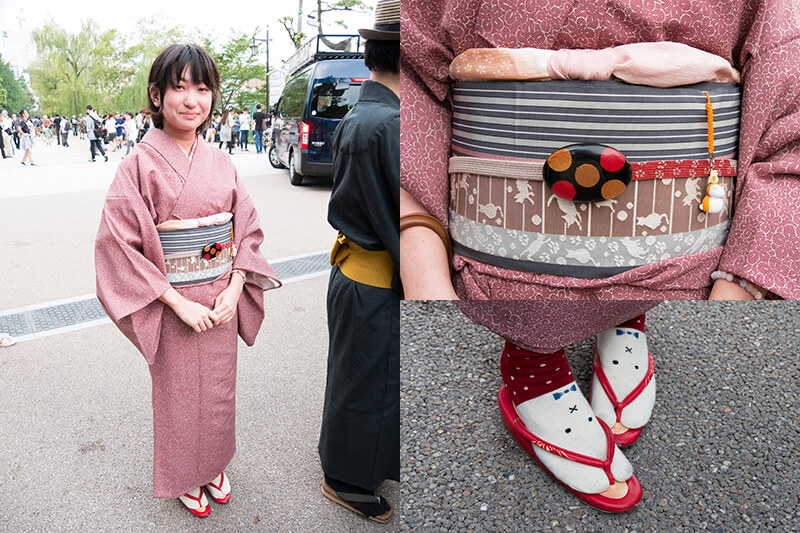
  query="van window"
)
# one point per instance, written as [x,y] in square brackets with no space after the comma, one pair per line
[333,100]
[293,100]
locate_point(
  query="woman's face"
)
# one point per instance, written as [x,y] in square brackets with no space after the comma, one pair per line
[185,106]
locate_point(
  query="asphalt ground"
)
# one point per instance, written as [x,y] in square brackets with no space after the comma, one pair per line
[76,449]
[719,454]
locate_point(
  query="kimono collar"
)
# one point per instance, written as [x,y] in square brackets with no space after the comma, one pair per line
[378,92]
[169,149]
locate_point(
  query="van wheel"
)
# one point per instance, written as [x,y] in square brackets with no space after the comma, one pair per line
[273,158]
[295,178]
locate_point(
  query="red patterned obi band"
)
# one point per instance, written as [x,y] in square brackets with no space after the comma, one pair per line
[503,213]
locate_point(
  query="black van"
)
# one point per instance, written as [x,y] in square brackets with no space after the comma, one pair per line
[313,102]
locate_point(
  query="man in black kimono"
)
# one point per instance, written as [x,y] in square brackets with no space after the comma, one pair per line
[360,439]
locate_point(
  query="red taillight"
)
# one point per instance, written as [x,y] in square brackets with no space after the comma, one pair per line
[304,130]
[358,80]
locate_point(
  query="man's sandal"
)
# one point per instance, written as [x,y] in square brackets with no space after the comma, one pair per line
[197,505]
[220,489]
[7,340]
[528,440]
[631,368]
[346,498]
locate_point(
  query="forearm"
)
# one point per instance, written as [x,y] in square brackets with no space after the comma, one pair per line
[172,298]
[424,262]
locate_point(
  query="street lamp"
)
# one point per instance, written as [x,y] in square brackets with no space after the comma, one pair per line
[254,52]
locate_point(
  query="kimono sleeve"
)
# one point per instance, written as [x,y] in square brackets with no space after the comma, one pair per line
[260,275]
[129,282]
[425,114]
[764,241]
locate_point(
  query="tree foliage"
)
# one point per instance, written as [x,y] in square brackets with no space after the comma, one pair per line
[236,67]
[14,92]
[323,6]
[107,70]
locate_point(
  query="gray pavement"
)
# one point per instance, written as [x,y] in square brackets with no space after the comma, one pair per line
[720,453]
[76,430]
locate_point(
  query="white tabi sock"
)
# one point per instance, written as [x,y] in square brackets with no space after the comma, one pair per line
[564,418]
[624,358]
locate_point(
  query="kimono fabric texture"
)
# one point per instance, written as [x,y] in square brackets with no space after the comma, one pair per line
[360,434]
[761,39]
[545,327]
[193,374]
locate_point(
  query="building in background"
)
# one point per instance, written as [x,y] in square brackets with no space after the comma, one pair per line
[16,43]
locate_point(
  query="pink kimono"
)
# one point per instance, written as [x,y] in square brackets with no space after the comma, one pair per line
[759,38]
[193,374]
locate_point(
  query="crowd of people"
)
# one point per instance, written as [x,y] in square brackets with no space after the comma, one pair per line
[110,132]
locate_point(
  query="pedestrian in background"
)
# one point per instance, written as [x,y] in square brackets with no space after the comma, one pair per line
[226,130]
[6,124]
[26,137]
[91,121]
[244,129]
[259,120]
[65,127]
[359,444]
[184,316]
[131,131]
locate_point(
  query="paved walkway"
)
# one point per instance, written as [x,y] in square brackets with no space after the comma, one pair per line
[77,423]
[720,453]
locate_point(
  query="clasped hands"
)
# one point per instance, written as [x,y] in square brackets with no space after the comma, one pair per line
[198,316]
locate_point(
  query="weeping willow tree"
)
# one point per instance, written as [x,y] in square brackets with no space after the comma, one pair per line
[107,70]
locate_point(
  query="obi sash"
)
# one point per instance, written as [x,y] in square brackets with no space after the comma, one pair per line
[188,261]
[503,214]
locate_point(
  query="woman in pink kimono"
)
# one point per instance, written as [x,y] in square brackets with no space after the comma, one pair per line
[524,241]
[180,273]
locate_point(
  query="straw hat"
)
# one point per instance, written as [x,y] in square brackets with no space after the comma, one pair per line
[387,22]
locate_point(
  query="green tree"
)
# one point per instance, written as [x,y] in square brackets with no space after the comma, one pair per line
[236,67]
[108,70]
[323,6]
[152,36]
[14,92]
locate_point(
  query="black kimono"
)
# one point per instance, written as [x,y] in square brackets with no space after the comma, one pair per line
[360,437]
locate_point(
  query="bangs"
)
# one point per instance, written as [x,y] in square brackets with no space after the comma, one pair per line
[201,67]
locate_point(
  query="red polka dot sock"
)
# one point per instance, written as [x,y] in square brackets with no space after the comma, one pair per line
[529,374]
[636,322]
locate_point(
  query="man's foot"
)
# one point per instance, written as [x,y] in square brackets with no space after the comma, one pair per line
[91,161]
[220,489]
[106,158]
[196,502]
[361,501]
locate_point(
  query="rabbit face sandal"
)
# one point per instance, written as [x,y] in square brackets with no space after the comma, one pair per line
[195,501]
[220,489]
[579,452]
[623,389]
[363,504]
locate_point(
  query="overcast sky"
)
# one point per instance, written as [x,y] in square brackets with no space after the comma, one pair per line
[212,17]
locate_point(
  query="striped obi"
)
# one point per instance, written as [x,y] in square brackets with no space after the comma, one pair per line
[185,257]
[502,213]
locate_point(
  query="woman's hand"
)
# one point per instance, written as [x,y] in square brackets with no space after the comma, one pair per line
[226,301]
[195,315]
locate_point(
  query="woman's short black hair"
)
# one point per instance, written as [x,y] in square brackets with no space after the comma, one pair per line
[382,56]
[166,72]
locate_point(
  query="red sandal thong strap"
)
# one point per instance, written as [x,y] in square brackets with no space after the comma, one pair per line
[519,425]
[612,396]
